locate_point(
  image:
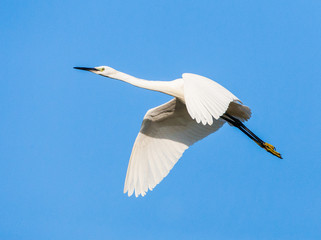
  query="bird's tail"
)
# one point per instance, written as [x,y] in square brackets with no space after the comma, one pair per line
[237,123]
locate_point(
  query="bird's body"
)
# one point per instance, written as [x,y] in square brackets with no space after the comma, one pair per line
[200,107]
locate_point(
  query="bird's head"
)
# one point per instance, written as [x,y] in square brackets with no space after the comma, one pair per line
[101,70]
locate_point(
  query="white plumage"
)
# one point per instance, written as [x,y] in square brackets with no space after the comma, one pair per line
[168,130]
[205,99]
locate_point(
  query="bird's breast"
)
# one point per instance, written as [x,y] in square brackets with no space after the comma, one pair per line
[175,88]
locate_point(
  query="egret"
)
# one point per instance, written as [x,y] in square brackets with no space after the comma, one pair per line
[200,107]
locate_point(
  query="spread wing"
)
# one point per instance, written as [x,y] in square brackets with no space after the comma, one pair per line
[205,98]
[166,132]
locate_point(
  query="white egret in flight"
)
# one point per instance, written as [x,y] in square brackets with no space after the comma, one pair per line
[200,107]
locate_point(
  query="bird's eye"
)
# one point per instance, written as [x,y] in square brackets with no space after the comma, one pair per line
[102,69]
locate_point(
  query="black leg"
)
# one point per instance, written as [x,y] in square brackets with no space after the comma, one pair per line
[237,123]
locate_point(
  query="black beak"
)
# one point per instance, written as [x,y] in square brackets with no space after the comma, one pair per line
[86,68]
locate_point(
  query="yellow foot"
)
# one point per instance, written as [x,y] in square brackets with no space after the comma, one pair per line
[271,149]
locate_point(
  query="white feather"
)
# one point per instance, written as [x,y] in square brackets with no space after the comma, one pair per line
[167,131]
[205,98]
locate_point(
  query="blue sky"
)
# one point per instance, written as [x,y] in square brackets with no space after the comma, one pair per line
[66,135]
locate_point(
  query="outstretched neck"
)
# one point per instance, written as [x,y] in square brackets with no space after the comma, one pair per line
[173,88]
